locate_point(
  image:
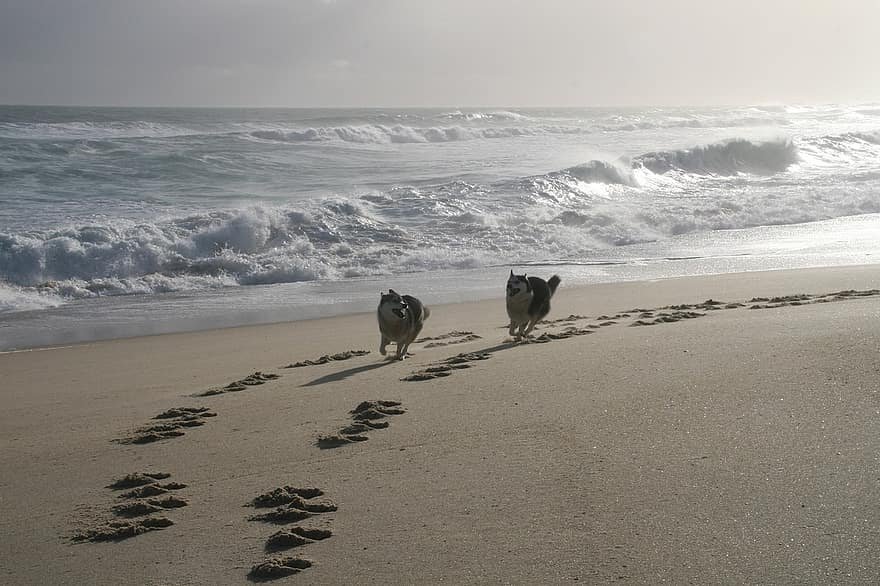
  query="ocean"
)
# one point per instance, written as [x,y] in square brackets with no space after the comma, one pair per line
[130,221]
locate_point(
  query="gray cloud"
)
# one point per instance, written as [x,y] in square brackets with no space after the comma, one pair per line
[454,52]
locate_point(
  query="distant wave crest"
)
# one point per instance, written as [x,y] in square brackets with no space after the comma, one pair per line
[92,130]
[385,134]
[490,115]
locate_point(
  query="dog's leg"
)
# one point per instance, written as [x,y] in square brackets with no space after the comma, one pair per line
[401,350]
[532,324]
[405,352]
[384,342]
[512,331]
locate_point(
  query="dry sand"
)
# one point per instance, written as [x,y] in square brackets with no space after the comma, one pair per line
[718,445]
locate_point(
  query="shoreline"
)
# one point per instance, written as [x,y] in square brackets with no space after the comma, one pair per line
[725,441]
[840,242]
[800,276]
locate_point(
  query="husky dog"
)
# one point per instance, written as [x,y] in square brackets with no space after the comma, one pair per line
[401,318]
[528,301]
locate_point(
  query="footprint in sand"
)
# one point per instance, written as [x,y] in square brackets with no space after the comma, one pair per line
[568,320]
[563,320]
[665,317]
[290,506]
[564,334]
[168,424]
[137,479]
[447,366]
[285,494]
[675,313]
[367,416]
[449,338]
[293,505]
[154,489]
[571,330]
[141,508]
[329,358]
[119,530]
[252,380]
[275,568]
[143,485]
[295,537]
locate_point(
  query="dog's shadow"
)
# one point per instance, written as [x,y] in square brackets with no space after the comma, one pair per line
[498,347]
[344,374]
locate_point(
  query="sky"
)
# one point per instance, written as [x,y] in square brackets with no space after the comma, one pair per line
[387,53]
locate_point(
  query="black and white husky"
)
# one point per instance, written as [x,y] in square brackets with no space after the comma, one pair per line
[401,318]
[528,301]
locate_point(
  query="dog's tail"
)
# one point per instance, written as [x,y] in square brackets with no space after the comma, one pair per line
[553,283]
[426,312]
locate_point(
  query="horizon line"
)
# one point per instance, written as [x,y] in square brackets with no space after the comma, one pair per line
[443,106]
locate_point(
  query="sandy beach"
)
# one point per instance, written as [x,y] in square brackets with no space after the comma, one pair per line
[646,436]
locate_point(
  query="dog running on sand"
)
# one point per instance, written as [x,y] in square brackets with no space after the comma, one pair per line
[528,301]
[401,318]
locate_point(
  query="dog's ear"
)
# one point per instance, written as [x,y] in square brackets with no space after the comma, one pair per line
[392,292]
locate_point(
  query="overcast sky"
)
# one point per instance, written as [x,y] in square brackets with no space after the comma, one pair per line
[442,52]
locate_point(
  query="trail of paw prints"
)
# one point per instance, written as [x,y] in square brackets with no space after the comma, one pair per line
[292,505]
[144,496]
[168,424]
[571,328]
[563,320]
[780,301]
[348,354]
[252,380]
[674,313]
[568,320]
[447,367]
[564,334]
[607,320]
[652,318]
[367,416]
[449,338]
[803,299]
[683,311]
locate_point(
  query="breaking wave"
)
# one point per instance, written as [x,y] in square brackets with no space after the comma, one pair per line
[727,158]
[723,159]
[420,220]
